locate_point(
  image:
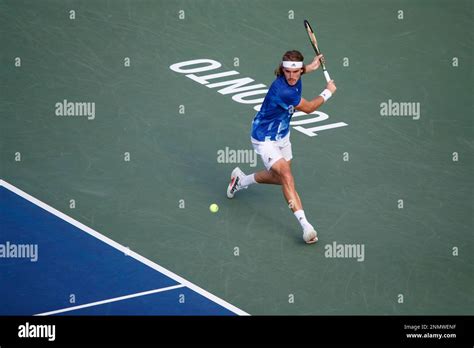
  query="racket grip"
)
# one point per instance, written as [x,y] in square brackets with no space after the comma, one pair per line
[326,75]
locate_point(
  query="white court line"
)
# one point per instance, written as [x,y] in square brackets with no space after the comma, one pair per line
[123,249]
[115,299]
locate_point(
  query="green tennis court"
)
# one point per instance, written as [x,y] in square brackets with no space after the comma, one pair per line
[96,124]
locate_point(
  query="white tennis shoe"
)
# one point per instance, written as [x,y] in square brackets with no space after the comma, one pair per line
[234,185]
[310,235]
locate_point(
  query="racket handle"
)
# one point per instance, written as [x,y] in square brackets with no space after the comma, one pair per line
[326,75]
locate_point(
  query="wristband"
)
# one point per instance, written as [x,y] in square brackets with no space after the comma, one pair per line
[326,94]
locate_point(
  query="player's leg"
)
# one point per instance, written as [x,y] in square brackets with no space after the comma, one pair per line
[270,152]
[284,145]
[267,177]
[297,196]
[270,177]
[282,170]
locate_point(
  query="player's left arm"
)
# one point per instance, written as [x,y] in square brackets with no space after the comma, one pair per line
[308,106]
[314,65]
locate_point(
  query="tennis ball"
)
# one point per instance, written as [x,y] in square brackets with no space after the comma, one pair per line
[213,208]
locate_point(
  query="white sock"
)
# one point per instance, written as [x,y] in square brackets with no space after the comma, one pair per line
[248,180]
[302,219]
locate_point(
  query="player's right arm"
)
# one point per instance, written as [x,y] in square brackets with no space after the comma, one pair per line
[308,106]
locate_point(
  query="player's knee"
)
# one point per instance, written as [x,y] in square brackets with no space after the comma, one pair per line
[282,170]
[286,177]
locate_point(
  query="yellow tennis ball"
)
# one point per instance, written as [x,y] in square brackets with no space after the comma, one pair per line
[214,208]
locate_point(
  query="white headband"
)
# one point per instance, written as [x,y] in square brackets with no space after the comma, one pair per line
[291,64]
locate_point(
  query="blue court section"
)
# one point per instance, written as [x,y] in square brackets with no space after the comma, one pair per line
[167,301]
[72,264]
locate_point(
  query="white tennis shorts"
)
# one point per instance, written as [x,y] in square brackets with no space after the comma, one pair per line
[272,151]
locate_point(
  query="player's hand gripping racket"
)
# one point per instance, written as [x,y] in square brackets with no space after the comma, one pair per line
[314,43]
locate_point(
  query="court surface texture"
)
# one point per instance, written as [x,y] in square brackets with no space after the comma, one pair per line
[114,145]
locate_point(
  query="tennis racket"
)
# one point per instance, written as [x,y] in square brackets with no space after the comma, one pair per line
[314,43]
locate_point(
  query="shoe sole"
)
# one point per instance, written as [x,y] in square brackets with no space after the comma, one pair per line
[233,182]
[230,195]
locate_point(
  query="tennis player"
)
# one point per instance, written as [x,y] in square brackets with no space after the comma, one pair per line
[270,135]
